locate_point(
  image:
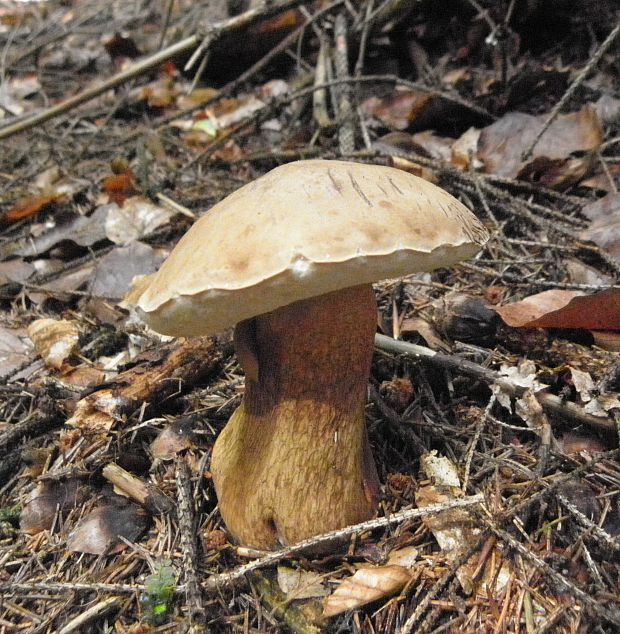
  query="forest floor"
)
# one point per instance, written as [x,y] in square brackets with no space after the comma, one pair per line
[494,399]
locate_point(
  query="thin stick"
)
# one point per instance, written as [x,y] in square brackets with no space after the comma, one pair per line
[596,58]
[216,581]
[550,402]
[240,21]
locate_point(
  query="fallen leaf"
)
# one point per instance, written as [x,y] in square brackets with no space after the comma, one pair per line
[524,375]
[565,309]
[602,404]
[604,230]
[365,586]
[464,150]
[455,529]
[406,557]
[583,384]
[580,273]
[503,142]
[49,497]
[15,350]
[115,271]
[531,412]
[173,439]
[440,470]
[159,94]
[136,218]
[558,173]
[300,584]
[15,271]
[196,98]
[120,186]
[31,206]
[98,533]
[83,230]
[416,110]
[55,340]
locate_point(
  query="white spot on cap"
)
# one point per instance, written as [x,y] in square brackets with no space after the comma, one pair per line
[301,267]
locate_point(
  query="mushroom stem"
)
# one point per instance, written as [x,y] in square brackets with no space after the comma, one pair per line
[294,459]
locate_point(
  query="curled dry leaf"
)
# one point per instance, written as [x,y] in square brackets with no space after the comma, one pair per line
[453,529]
[49,497]
[365,586]
[98,533]
[503,142]
[173,439]
[54,339]
[31,206]
[565,309]
[135,219]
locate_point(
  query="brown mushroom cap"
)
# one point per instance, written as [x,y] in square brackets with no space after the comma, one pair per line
[305,229]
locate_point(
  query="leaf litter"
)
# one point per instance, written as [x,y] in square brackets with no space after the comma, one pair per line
[523,407]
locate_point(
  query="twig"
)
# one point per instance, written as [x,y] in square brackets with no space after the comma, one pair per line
[216,581]
[562,581]
[91,614]
[550,402]
[263,10]
[145,493]
[346,131]
[164,28]
[596,58]
[187,530]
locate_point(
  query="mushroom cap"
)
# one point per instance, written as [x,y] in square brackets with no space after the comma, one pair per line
[304,229]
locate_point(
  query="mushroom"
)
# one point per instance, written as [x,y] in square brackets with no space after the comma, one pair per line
[289,258]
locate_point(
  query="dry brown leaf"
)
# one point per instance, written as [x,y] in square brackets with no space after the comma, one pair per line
[97,412]
[300,584]
[583,384]
[136,218]
[405,557]
[503,142]
[565,309]
[83,230]
[115,271]
[176,437]
[120,186]
[558,173]
[604,229]
[417,110]
[31,206]
[55,340]
[464,150]
[365,586]
[98,533]
[580,273]
[15,349]
[50,497]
